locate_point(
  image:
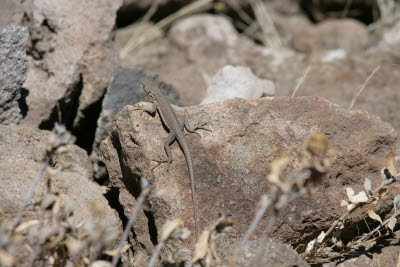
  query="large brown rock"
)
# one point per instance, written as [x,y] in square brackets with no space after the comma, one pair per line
[71,60]
[21,152]
[232,161]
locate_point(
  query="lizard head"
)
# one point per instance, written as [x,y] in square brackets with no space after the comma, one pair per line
[148,90]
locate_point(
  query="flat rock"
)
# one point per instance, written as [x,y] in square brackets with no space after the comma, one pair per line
[21,153]
[232,161]
[13,66]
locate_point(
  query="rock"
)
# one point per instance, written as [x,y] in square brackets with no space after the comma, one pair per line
[21,154]
[321,10]
[339,80]
[347,34]
[72,59]
[384,253]
[13,66]
[183,58]
[273,254]
[231,82]
[11,12]
[125,90]
[388,43]
[232,161]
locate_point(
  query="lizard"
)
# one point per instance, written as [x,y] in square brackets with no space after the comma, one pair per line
[175,128]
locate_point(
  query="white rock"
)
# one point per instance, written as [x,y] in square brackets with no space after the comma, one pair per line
[231,82]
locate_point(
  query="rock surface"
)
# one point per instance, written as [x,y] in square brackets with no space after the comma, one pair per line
[13,66]
[232,161]
[382,254]
[231,82]
[125,90]
[11,12]
[71,58]
[197,47]
[273,254]
[21,153]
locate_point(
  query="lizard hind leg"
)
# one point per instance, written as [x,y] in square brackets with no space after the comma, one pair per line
[167,143]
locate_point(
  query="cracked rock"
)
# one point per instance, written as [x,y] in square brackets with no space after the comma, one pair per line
[13,66]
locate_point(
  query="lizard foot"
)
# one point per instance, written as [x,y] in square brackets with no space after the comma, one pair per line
[159,162]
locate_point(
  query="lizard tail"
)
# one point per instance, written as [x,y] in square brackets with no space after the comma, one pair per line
[193,187]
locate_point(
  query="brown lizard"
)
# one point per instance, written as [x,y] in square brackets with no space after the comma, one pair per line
[175,127]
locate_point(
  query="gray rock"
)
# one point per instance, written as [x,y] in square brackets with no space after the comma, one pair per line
[13,66]
[231,82]
[125,90]
[231,162]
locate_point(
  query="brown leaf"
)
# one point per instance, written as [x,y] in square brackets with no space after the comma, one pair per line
[201,248]
[374,216]
[389,162]
[170,227]
[318,143]
[392,222]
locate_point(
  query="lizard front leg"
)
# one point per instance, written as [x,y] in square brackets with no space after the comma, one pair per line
[193,129]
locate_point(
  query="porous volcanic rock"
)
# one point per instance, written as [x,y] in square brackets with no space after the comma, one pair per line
[231,162]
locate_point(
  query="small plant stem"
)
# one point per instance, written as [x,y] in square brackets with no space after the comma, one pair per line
[156,253]
[30,192]
[264,203]
[363,86]
[138,206]
[374,231]
[301,80]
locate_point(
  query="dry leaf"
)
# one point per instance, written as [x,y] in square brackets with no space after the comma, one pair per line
[101,264]
[367,186]
[389,163]
[382,191]
[321,237]
[138,259]
[318,143]
[277,165]
[223,225]
[396,203]
[355,199]
[114,252]
[170,227]
[310,246]
[201,248]
[25,225]
[6,259]
[374,216]
[392,222]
